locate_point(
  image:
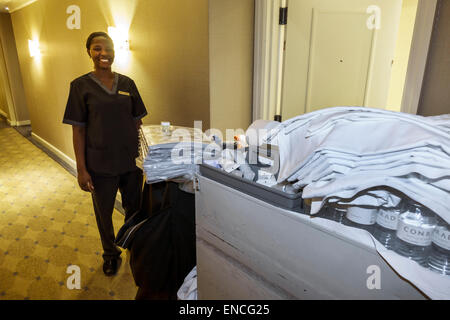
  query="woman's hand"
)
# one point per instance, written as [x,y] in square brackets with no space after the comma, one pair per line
[85,181]
[79,145]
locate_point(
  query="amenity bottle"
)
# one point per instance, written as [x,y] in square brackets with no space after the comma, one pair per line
[439,258]
[336,214]
[386,226]
[414,233]
[361,217]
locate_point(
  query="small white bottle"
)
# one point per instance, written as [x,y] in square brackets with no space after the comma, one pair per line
[439,259]
[336,213]
[386,226]
[361,217]
[415,228]
[165,128]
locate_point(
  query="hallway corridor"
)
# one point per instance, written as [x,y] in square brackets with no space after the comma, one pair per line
[46,224]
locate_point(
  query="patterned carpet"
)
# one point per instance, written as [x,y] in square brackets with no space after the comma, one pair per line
[47,224]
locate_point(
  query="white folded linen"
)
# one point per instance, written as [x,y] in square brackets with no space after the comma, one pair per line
[432,156]
[362,138]
[258,131]
[329,120]
[321,115]
[173,156]
[329,170]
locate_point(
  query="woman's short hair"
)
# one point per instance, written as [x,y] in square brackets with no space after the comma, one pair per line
[96,34]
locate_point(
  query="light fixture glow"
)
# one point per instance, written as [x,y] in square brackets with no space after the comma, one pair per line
[33,46]
[120,39]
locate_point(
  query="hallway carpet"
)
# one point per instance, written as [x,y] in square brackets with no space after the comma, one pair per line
[47,224]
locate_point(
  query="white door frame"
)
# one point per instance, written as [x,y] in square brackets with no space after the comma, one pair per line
[268,64]
[266,59]
[11,118]
[418,55]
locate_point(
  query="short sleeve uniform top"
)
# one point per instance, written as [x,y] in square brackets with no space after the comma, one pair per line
[110,119]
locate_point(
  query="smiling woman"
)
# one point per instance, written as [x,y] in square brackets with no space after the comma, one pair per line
[105,110]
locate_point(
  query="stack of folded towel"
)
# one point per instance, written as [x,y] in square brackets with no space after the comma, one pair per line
[172,155]
[366,157]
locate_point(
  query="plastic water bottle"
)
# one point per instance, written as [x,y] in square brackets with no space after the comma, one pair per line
[386,226]
[415,229]
[336,214]
[329,212]
[165,128]
[361,217]
[439,259]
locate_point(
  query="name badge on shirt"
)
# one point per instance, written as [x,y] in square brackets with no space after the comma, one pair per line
[123,93]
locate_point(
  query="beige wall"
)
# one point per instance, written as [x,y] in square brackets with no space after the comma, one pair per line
[401,57]
[231,25]
[10,71]
[168,58]
[435,95]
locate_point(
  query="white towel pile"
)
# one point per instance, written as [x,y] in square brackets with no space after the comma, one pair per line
[365,156]
[174,156]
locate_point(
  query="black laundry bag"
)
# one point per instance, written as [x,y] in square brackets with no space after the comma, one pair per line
[161,241]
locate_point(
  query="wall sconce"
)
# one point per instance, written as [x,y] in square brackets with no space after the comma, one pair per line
[120,38]
[33,46]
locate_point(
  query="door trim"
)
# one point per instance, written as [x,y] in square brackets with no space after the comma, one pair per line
[11,117]
[267,68]
[266,59]
[420,44]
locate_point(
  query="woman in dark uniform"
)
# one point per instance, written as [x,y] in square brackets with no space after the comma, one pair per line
[105,111]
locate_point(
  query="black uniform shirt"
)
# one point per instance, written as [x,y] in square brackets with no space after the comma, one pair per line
[110,119]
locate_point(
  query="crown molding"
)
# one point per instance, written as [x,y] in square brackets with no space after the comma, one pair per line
[22,6]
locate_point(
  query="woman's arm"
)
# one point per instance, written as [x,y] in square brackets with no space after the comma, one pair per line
[79,145]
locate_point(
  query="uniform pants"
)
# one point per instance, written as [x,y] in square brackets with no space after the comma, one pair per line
[104,197]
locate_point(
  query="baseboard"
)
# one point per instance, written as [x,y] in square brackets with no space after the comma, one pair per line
[18,123]
[55,151]
[14,123]
[23,123]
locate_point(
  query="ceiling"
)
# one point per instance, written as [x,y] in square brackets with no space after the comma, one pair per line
[13,4]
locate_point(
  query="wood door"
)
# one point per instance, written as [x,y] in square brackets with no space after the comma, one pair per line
[338,53]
